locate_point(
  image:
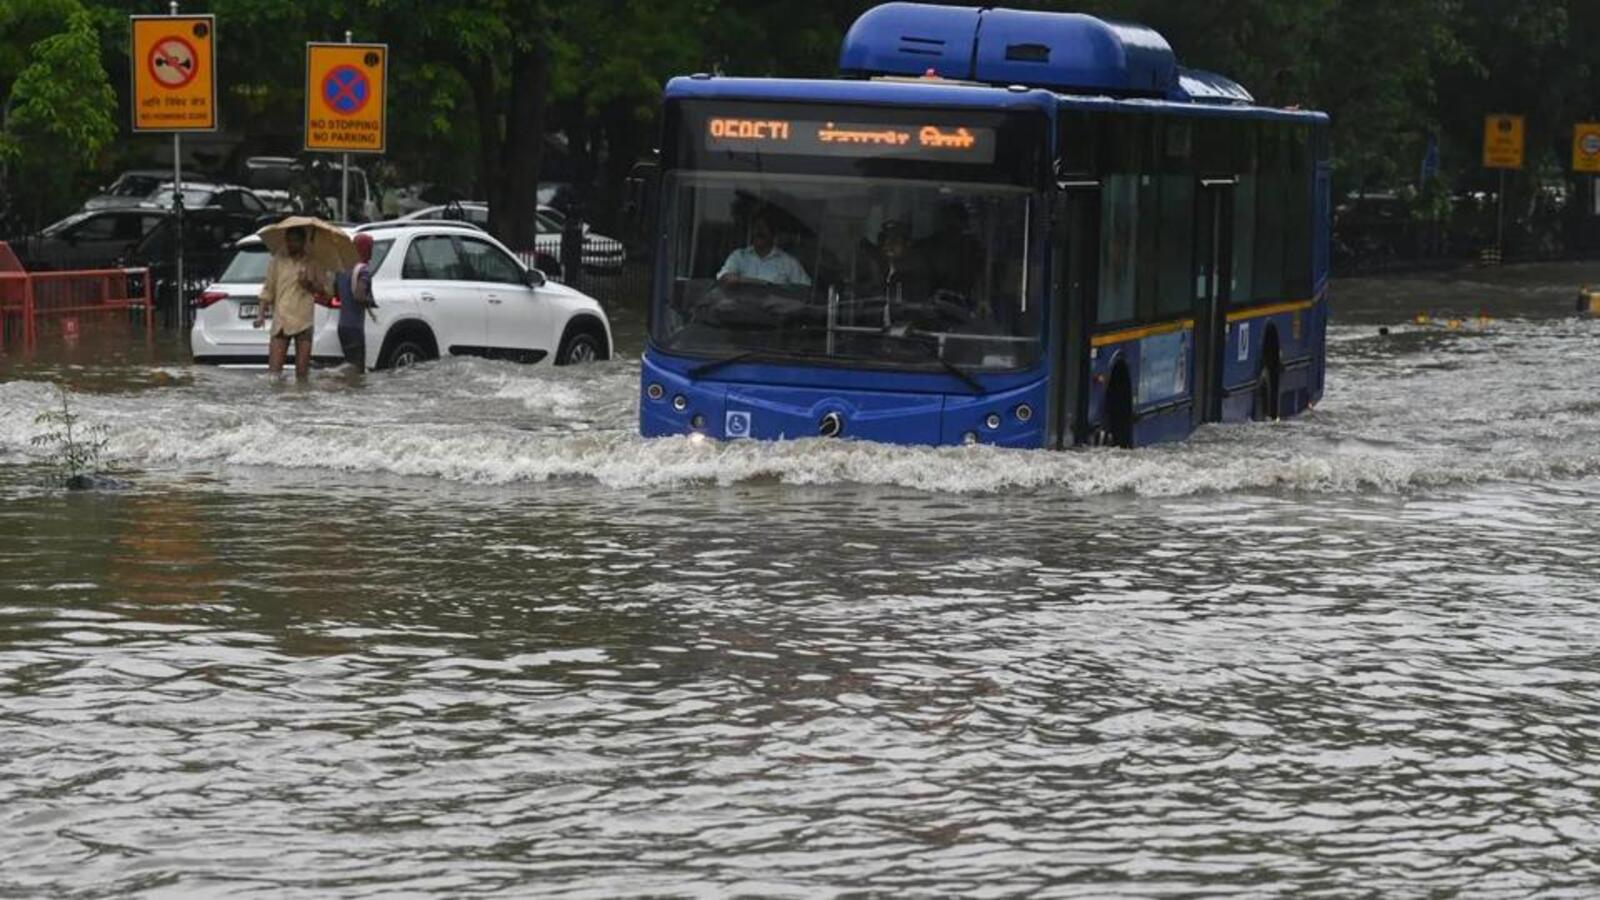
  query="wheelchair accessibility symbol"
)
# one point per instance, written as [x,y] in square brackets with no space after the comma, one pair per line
[736,425]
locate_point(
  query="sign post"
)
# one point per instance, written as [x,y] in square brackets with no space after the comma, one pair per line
[1502,149]
[346,99]
[174,90]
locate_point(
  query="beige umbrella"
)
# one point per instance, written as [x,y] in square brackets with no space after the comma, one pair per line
[326,245]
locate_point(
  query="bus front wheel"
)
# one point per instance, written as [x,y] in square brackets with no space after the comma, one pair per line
[1266,404]
[1116,425]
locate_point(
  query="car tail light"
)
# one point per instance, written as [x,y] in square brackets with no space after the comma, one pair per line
[207,298]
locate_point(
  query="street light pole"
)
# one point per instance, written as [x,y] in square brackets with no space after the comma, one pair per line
[180,313]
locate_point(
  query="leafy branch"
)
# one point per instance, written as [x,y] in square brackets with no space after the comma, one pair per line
[74,448]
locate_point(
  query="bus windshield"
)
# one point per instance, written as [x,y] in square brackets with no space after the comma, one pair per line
[889,272]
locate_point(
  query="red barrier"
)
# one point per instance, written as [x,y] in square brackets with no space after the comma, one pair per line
[31,296]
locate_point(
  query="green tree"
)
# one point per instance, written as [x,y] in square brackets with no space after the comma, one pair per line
[57,119]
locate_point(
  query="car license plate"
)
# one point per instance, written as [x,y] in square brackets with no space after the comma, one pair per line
[248,310]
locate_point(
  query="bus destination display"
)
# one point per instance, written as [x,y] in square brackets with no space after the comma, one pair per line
[935,143]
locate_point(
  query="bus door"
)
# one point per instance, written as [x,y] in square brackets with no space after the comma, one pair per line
[1076,257]
[1213,264]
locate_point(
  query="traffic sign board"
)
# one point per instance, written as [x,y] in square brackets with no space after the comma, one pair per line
[345,93]
[1586,147]
[174,73]
[1502,142]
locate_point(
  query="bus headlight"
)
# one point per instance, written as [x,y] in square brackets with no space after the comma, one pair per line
[1024,412]
[969,438]
[655,392]
[697,422]
[680,403]
[992,421]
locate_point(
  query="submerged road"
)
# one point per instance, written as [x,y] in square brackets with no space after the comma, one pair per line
[459,631]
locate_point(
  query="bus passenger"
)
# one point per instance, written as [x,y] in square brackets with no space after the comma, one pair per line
[951,256]
[763,262]
[890,268]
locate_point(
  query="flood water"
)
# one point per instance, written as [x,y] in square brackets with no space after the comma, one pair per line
[459,631]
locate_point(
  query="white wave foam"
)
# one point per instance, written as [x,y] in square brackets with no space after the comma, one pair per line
[1465,408]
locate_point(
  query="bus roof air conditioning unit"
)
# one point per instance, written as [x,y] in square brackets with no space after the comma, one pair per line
[1068,52]
[911,39]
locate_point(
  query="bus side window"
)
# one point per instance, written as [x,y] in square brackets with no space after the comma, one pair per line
[1150,224]
[1298,207]
[1270,213]
[1119,242]
[1120,231]
[1175,283]
[1242,141]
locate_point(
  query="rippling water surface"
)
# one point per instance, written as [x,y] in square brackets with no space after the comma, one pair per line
[459,631]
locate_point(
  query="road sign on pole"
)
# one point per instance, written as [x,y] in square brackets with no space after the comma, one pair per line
[1586,147]
[1502,142]
[346,92]
[174,73]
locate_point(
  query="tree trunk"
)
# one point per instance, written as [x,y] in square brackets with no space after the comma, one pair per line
[486,103]
[524,147]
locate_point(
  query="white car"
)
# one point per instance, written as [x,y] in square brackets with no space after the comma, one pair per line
[600,253]
[440,289]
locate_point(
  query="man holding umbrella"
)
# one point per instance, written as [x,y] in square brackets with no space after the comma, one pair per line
[305,254]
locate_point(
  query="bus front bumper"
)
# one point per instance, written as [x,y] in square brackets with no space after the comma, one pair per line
[673,404]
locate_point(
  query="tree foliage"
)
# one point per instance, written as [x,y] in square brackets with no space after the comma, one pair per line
[58,112]
[489,96]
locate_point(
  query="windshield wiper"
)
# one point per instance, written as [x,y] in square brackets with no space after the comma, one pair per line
[706,368]
[932,349]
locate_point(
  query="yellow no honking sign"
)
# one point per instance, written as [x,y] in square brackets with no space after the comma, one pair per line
[174,73]
[346,97]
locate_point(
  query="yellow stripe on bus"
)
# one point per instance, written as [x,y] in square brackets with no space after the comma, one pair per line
[1133,334]
[1274,309]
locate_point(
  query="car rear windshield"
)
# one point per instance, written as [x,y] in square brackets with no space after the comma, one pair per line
[248,266]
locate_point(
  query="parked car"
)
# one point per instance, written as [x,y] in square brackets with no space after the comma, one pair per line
[86,240]
[600,253]
[133,187]
[209,195]
[440,288]
[407,199]
[290,185]
[209,236]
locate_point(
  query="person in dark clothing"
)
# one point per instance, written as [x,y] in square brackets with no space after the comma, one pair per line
[892,270]
[356,304]
[951,257]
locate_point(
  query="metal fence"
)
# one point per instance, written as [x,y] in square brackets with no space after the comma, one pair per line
[29,299]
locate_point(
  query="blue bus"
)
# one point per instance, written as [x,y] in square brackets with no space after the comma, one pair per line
[1026,229]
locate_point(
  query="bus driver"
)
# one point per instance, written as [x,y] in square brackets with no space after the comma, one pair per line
[762,261]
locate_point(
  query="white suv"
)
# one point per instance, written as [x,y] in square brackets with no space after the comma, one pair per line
[440,288]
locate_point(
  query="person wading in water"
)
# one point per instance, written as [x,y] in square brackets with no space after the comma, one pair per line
[355,304]
[289,293]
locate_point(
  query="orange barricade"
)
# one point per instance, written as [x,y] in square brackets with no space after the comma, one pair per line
[30,296]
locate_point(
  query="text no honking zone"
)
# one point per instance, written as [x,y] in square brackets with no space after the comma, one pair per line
[174,66]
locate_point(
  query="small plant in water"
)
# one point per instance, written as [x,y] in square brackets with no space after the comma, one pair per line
[74,448]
